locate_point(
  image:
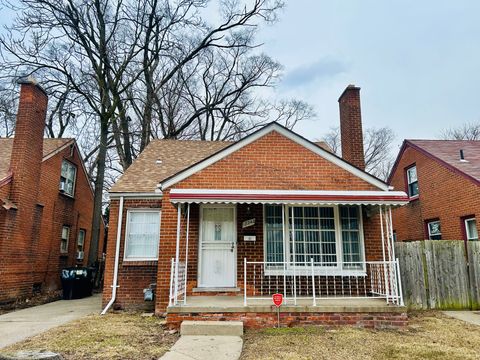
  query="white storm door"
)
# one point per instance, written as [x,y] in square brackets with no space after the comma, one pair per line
[218,247]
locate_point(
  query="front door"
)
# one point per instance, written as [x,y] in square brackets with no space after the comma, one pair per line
[218,246]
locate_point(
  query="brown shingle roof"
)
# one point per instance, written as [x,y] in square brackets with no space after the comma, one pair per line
[448,151]
[49,146]
[144,174]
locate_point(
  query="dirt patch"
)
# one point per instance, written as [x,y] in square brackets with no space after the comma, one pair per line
[112,336]
[39,299]
[428,336]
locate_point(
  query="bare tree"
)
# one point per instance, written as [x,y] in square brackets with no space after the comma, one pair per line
[377,144]
[7,112]
[101,52]
[466,131]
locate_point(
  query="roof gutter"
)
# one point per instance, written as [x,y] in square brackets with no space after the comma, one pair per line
[117,256]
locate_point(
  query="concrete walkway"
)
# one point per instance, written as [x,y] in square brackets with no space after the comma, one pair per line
[472,317]
[207,340]
[19,325]
[204,347]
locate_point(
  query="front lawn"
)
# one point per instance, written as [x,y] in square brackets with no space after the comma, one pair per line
[113,336]
[429,336]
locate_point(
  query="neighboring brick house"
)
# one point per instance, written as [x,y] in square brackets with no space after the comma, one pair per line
[46,203]
[442,179]
[215,228]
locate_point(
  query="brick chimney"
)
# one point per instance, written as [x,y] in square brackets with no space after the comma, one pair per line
[27,150]
[351,126]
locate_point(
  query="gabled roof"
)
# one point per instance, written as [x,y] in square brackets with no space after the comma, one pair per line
[447,153]
[165,161]
[50,147]
[274,126]
[145,173]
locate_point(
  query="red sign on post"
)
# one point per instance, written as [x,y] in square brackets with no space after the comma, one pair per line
[277,299]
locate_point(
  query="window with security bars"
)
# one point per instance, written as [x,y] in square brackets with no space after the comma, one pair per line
[350,225]
[143,233]
[274,233]
[315,234]
[314,230]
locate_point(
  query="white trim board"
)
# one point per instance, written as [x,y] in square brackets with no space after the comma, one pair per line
[257,135]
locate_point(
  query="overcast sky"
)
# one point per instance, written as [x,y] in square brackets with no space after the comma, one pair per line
[417,62]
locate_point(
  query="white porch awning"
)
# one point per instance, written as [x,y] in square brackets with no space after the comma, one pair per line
[328,197]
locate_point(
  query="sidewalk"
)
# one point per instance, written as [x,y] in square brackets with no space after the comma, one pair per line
[472,317]
[19,325]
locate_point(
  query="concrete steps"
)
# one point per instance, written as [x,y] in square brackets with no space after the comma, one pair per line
[212,328]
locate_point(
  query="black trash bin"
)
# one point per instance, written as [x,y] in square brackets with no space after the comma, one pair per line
[77,282]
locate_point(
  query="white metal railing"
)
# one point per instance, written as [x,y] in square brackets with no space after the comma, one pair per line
[177,283]
[313,281]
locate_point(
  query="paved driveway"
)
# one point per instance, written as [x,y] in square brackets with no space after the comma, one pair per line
[19,325]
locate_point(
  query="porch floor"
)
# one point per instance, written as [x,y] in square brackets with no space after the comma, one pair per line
[234,304]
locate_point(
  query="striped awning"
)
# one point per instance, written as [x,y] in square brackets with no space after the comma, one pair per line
[237,196]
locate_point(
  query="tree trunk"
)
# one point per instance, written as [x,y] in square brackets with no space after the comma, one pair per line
[97,203]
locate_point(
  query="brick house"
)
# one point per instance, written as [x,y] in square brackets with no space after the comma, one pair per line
[442,179]
[46,203]
[216,228]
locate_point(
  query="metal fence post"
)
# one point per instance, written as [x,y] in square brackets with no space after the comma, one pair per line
[244,281]
[313,282]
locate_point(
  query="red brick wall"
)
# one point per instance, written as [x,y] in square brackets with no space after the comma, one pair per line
[16,244]
[52,211]
[351,127]
[30,236]
[274,162]
[271,162]
[255,320]
[443,194]
[133,276]
[60,210]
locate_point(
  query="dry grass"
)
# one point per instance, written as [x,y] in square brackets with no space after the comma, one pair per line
[428,336]
[113,336]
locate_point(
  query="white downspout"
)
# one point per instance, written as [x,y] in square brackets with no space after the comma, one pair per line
[117,256]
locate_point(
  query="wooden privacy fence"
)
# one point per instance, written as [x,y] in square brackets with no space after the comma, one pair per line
[437,275]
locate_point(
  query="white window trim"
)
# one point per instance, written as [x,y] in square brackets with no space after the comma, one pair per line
[428,228]
[72,195]
[125,244]
[408,181]
[466,228]
[68,239]
[318,270]
[78,238]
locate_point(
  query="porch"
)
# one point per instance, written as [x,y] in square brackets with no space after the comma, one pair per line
[326,252]
[235,304]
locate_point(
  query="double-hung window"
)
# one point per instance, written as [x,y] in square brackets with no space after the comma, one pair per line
[434,230]
[67,178]
[330,235]
[81,241]
[142,235]
[64,239]
[412,181]
[471,231]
